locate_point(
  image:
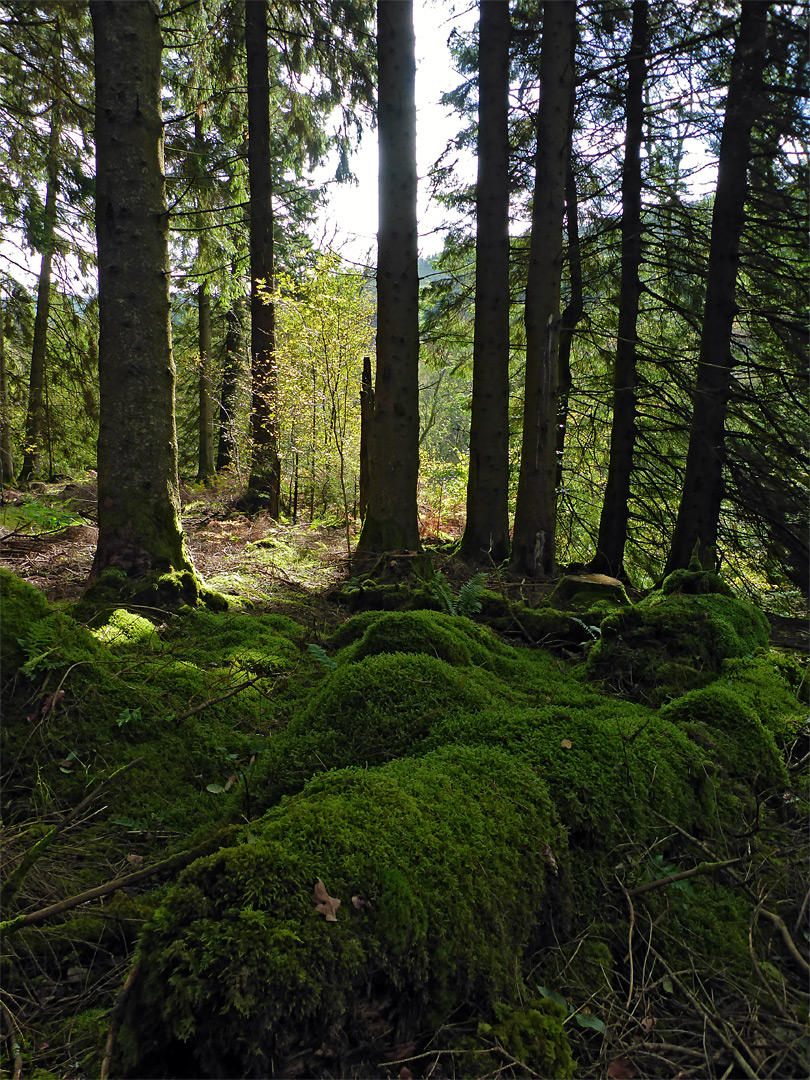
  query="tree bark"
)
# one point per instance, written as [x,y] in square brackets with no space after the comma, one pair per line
[486,534]
[699,511]
[533,544]
[615,509]
[234,344]
[205,467]
[138,499]
[6,453]
[366,418]
[391,521]
[574,310]
[35,413]
[265,470]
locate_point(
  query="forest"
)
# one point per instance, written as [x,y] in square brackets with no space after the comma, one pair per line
[404,660]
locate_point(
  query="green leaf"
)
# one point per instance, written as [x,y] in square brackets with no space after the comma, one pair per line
[554,996]
[588,1020]
[216,789]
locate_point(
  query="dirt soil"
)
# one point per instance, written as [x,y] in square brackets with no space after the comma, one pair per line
[217,536]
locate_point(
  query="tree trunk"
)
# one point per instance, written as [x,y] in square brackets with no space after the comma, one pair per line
[613,521]
[391,521]
[138,500]
[699,510]
[6,453]
[35,414]
[366,418]
[205,468]
[265,469]
[486,534]
[234,344]
[574,310]
[533,546]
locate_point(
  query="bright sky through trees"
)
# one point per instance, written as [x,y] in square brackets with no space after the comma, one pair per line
[349,225]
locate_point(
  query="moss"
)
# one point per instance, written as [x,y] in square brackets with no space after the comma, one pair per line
[668,644]
[239,971]
[772,685]
[535,1036]
[22,607]
[366,713]
[451,638]
[745,748]
[164,589]
[695,583]
[583,590]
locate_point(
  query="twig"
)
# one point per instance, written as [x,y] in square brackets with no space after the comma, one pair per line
[729,1045]
[14,881]
[701,868]
[629,941]
[216,700]
[16,1037]
[802,910]
[115,1019]
[179,859]
[759,972]
[788,940]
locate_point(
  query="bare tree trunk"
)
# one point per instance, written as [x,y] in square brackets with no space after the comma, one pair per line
[391,521]
[35,414]
[699,510]
[366,417]
[615,509]
[534,541]
[486,533]
[6,453]
[573,312]
[205,468]
[138,500]
[234,344]
[264,484]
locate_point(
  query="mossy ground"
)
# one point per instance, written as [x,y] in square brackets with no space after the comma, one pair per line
[497,810]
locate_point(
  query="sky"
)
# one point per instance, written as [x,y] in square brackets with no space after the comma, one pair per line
[350,223]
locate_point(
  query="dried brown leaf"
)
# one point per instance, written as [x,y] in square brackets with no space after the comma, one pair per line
[325,904]
[621,1068]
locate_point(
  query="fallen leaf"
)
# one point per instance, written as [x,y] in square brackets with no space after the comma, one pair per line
[566,743]
[51,700]
[405,1073]
[136,860]
[648,1023]
[325,904]
[360,903]
[621,1069]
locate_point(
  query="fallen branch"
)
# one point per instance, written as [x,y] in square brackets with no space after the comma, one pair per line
[788,940]
[14,881]
[115,1020]
[701,868]
[16,1037]
[216,700]
[180,859]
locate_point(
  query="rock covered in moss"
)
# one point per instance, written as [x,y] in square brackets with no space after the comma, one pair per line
[673,642]
[584,590]
[242,976]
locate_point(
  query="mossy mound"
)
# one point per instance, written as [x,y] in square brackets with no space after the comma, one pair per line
[242,976]
[81,703]
[452,638]
[584,590]
[740,743]
[670,643]
[366,713]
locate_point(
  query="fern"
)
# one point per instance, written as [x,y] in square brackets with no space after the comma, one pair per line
[319,653]
[469,595]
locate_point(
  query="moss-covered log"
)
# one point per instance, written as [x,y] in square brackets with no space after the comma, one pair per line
[439,865]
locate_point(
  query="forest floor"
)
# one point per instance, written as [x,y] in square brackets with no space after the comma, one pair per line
[53,550]
[48,538]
